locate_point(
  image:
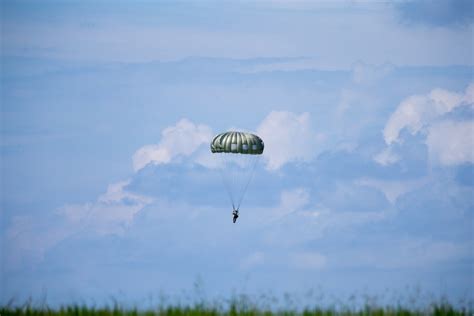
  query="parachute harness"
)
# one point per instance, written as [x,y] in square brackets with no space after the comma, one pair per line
[227,187]
[252,172]
[235,179]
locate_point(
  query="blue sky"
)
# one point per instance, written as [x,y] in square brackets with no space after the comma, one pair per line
[109,188]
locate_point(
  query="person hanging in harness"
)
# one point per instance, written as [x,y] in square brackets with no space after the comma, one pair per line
[235,213]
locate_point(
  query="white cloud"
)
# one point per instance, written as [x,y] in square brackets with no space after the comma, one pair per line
[184,138]
[451,143]
[288,137]
[416,112]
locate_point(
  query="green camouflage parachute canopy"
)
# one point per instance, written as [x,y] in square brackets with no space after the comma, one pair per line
[237,143]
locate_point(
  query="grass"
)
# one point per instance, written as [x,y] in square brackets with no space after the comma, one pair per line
[313,303]
[234,308]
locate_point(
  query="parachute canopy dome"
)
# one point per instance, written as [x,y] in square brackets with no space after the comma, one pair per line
[237,143]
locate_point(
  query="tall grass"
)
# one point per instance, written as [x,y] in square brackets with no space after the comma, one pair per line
[315,302]
[237,306]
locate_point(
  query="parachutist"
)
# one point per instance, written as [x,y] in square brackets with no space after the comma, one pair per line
[236,215]
[238,153]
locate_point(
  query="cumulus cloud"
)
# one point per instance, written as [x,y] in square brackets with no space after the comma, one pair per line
[449,142]
[184,139]
[288,137]
[418,111]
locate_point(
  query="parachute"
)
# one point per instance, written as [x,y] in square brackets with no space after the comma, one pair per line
[237,154]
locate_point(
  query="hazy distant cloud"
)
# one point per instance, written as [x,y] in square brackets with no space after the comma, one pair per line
[106,36]
[31,236]
[294,199]
[392,189]
[308,260]
[116,192]
[184,138]
[417,252]
[386,157]
[290,201]
[404,252]
[288,137]
[27,238]
[298,228]
[252,260]
[437,13]
[363,73]
[346,206]
[111,213]
[287,64]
